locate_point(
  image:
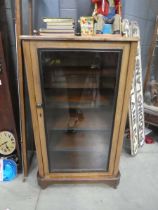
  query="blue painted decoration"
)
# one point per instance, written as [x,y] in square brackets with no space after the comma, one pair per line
[9,170]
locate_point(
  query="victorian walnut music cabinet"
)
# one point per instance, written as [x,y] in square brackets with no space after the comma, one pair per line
[79,89]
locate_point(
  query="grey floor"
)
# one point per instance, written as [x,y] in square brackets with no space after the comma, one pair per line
[138,189]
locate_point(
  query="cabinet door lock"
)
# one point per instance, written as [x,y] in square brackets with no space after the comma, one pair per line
[40,105]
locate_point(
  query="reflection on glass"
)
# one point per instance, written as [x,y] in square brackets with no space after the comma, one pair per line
[79,93]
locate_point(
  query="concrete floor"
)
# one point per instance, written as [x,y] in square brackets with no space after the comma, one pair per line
[138,189]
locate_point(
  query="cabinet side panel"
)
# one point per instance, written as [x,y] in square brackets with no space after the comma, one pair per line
[119,105]
[131,67]
[28,65]
[39,101]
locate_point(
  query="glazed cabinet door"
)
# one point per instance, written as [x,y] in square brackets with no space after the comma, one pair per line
[79,91]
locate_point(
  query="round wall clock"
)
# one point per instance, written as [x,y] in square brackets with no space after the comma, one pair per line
[7,143]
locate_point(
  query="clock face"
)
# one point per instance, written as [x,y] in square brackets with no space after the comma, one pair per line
[7,143]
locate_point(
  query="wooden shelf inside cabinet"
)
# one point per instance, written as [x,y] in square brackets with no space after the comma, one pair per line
[77,141]
[68,162]
[79,90]
[77,97]
[108,71]
[93,119]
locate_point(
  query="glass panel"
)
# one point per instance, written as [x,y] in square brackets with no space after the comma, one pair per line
[79,93]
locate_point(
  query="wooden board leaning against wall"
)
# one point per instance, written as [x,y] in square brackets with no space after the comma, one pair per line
[136,105]
[21,79]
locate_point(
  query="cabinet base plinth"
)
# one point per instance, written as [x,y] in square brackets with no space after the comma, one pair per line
[44,182]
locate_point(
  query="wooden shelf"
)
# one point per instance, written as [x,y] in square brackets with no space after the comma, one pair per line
[78,161]
[71,99]
[150,109]
[108,71]
[87,84]
[84,102]
[94,141]
[101,38]
[62,78]
[80,85]
[75,85]
[58,119]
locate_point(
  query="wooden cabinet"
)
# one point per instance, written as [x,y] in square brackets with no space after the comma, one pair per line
[79,89]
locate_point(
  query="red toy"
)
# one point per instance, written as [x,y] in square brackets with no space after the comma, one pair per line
[118,6]
[103,6]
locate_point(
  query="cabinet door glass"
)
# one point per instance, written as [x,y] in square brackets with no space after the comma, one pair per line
[79,89]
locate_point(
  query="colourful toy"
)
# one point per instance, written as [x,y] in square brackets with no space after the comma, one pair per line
[107,12]
[87,25]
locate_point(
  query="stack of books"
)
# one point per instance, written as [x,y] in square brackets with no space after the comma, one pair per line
[57,26]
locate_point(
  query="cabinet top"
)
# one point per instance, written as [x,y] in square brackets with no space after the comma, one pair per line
[113,38]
